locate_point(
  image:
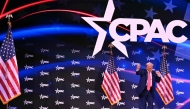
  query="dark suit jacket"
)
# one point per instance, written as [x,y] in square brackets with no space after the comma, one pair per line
[143,81]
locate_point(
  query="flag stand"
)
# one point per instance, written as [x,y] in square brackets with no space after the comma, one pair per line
[7,105]
[111,53]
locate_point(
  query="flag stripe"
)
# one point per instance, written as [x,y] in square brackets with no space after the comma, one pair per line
[115,87]
[161,95]
[10,80]
[117,78]
[169,81]
[4,85]
[13,72]
[114,81]
[108,81]
[7,83]
[106,90]
[165,89]
[112,91]
[15,64]
[169,89]
[3,95]
[162,88]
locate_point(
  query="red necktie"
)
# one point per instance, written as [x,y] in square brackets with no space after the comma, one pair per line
[149,82]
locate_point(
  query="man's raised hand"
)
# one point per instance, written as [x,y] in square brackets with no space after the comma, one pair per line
[138,66]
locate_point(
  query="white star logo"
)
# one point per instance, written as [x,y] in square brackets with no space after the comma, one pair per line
[104,63]
[26,79]
[87,80]
[133,97]
[103,74]
[134,108]
[41,96]
[88,91]
[57,102]
[134,64]
[73,51]
[72,97]
[134,86]
[73,73]
[73,62]
[57,67]
[88,68]
[88,103]
[104,97]
[72,85]
[42,61]
[102,33]
[25,102]
[59,79]
[88,57]
[41,85]
[57,90]
[26,67]
[26,90]
[177,104]
[42,50]
[74,107]
[41,107]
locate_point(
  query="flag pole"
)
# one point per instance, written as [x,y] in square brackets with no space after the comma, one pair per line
[9,23]
[164,55]
[164,47]
[111,53]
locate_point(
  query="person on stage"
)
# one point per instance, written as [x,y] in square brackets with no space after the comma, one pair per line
[146,86]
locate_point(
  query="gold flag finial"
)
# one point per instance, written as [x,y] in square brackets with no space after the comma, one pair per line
[9,16]
[164,47]
[111,46]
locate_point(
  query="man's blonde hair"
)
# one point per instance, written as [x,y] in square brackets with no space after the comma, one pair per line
[149,63]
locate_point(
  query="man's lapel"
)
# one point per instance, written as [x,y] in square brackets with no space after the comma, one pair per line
[146,73]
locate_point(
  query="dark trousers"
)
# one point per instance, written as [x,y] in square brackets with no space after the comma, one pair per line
[146,96]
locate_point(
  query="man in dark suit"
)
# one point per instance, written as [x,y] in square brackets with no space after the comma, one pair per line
[146,86]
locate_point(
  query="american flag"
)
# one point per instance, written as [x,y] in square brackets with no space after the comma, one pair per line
[9,80]
[164,87]
[110,84]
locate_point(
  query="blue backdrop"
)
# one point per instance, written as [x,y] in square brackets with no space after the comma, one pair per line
[57,71]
